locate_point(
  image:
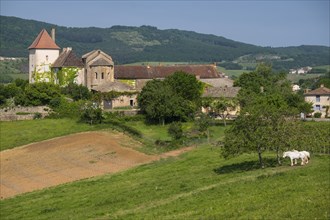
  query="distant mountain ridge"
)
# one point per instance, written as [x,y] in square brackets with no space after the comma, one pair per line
[146,43]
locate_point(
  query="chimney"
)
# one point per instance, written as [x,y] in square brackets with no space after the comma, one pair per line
[53,34]
[322,85]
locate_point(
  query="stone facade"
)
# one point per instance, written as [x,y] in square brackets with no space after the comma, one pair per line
[99,68]
[320,98]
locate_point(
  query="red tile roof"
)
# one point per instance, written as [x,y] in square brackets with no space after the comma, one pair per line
[319,91]
[43,41]
[154,72]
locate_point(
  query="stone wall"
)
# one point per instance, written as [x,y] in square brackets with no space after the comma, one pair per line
[23,113]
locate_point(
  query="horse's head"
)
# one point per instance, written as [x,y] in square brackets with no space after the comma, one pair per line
[285,154]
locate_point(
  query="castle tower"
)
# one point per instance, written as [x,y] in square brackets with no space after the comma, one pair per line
[42,54]
[99,68]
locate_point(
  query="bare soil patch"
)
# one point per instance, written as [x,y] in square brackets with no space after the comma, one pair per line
[70,158]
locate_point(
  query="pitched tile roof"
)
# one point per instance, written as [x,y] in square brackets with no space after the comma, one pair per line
[112,86]
[319,91]
[43,41]
[217,92]
[68,59]
[101,62]
[154,72]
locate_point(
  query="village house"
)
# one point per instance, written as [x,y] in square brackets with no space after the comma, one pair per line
[228,93]
[97,71]
[301,71]
[320,98]
[67,66]
[295,88]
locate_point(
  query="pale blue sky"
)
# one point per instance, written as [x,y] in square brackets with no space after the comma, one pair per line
[263,23]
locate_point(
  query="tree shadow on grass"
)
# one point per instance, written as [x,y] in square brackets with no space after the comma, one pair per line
[245,166]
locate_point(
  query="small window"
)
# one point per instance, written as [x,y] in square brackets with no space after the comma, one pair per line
[102,75]
[318,98]
[95,75]
[317,107]
[46,57]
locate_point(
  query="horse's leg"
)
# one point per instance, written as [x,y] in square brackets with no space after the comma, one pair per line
[295,161]
[303,161]
[291,162]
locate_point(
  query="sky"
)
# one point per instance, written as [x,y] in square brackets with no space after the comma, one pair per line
[277,23]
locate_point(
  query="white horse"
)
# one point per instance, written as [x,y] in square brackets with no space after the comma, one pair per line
[294,156]
[306,153]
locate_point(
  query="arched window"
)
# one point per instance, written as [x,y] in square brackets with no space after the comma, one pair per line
[95,75]
[102,75]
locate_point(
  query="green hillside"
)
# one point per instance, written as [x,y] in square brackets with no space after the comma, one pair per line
[197,185]
[146,43]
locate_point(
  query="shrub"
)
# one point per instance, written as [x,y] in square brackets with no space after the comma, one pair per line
[92,114]
[175,130]
[317,115]
[77,92]
[38,94]
[62,108]
[37,115]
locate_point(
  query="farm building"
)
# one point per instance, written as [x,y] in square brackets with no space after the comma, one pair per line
[97,71]
[320,98]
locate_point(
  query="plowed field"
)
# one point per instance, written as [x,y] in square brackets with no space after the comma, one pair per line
[70,158]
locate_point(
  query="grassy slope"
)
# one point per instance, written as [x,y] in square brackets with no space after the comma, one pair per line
[17,133]
[198,184]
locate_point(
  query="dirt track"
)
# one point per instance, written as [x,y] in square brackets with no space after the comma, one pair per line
[66,159]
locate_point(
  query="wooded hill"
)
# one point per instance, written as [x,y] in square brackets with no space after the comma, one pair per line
[139,44]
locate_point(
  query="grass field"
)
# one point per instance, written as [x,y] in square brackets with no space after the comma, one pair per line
[197,185]
[17,133]
[295,78]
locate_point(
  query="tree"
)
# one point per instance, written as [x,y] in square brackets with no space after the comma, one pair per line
[11,90]
[155,100]
[167,101]
[77,92]
[222,106]
[185,85]
[203,123]
[260,127]
[38,94]
[266,120]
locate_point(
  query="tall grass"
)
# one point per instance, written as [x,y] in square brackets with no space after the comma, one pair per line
[197,185]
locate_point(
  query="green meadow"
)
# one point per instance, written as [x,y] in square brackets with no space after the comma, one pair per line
[17,133]
[199,184]
[196,185]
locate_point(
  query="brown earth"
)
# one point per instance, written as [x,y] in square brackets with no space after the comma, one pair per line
[70,158]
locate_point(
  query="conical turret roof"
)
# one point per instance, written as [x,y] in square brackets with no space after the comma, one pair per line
[43,41]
